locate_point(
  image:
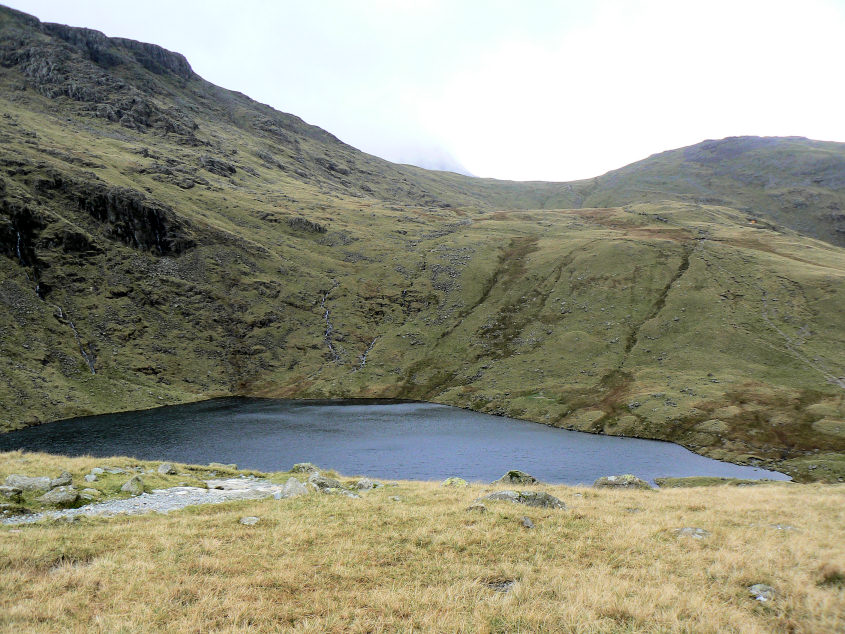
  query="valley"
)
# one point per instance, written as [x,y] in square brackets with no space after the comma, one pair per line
[167,241]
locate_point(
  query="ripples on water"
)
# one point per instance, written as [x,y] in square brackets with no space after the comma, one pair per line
[382,439]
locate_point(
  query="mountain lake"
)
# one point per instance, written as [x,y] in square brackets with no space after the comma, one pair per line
[381,439]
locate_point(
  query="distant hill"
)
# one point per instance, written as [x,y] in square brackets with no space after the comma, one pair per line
[167,240]
[794,182]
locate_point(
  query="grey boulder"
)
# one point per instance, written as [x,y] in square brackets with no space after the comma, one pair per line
[60,496]
[691,531]
[133,486]
[65,479]
[322,482]
[515,476]
[250,520]
[529,498]
[28,483]
[165,468]
[304,467]
[365,484]
[293,488]
[762,592]
[626,481]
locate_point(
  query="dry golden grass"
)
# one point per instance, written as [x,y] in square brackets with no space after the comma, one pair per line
[610,563]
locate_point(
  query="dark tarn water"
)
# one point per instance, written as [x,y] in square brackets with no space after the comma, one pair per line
[414,441]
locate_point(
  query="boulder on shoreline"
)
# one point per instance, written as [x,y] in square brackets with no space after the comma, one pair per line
[454,482]
[293,488]
[366,484]
[304,467]
[320,481]
[626,481]
[515,476]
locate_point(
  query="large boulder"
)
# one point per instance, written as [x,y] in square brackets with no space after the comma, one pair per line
[304,467]
[133,486]
[626,481]
[529,498]
[321,482]
[165,468]
[515,476]
[29,483]
[293,488]
[64,479]
[60,496]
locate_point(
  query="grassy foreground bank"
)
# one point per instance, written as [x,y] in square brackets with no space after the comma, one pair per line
[611,562]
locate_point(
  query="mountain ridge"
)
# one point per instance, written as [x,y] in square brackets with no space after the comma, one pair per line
[167,240]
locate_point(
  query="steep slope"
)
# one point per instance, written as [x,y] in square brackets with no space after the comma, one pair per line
[167,240]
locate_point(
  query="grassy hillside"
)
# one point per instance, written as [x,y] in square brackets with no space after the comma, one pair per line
[412,557]
[793,182]
[166,240]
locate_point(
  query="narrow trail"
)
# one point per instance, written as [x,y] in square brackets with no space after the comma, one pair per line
[163,500]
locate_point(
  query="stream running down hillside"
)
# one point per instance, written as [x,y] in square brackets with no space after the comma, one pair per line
[382,439]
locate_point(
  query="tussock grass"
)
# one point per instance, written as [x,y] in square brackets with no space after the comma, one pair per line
[609,563]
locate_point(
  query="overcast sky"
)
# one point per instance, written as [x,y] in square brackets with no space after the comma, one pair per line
[525,89]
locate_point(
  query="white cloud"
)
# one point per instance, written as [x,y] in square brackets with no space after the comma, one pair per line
[641,78]
[523,90]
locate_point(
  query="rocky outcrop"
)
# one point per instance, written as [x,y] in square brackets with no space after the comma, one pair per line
[82,65]
[156,59]
[131,217]
[303,224]
[528,498]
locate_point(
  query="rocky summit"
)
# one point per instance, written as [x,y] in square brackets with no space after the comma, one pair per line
[165,240]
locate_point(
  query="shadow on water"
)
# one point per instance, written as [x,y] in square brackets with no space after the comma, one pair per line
[379,438]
